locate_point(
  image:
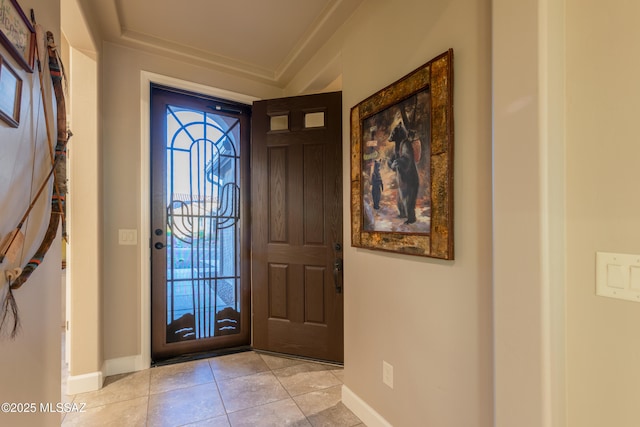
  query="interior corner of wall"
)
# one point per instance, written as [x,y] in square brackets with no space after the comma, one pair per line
[86,382]
[123,365]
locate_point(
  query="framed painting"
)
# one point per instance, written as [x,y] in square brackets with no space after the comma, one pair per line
[17,33]
[10,94]
[402,164]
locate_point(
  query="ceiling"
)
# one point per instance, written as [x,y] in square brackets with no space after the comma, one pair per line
[265,40]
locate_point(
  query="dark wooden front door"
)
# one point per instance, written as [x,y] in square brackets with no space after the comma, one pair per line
[200,291]
[296,208]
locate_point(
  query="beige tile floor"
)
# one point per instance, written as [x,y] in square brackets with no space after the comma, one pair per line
[242,389]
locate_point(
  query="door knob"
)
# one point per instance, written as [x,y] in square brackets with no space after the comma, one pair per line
[158,245]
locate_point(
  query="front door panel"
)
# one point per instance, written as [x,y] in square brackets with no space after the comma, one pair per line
[200,281]
[297,226]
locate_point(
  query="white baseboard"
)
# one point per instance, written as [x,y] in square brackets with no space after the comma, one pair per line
[366,413]
[123,365]
[94,380]
[84,383]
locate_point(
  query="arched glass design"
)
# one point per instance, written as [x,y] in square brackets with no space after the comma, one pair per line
[203,211]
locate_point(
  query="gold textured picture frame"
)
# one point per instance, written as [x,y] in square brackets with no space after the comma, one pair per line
[402,164]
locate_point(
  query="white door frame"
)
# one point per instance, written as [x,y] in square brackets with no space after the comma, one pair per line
[146,78]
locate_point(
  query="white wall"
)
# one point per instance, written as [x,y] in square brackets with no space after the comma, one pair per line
[30,364]
[430,319]
[84,214]
[603,210]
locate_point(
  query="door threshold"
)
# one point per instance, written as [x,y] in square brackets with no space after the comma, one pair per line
[295,357]
[200,355]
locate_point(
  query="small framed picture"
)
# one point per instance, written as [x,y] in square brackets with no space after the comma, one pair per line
[17,33]
[10,94]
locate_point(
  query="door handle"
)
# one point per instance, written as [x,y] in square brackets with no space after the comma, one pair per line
[159,245]
[337,270]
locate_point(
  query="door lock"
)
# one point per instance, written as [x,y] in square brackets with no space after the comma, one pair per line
[337,272]
[338,266]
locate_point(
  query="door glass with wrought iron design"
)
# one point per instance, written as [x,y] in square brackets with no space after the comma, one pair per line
[199,289]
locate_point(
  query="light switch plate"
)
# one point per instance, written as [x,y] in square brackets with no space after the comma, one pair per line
[127,237]
[387,374]
[618,276]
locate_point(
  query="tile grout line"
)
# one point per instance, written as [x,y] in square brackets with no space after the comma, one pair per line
[322,389]
[290,396]
[289,393]
[146,416]
[215,380]
[292,399]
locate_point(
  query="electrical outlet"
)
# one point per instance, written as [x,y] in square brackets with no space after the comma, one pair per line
[387,374]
